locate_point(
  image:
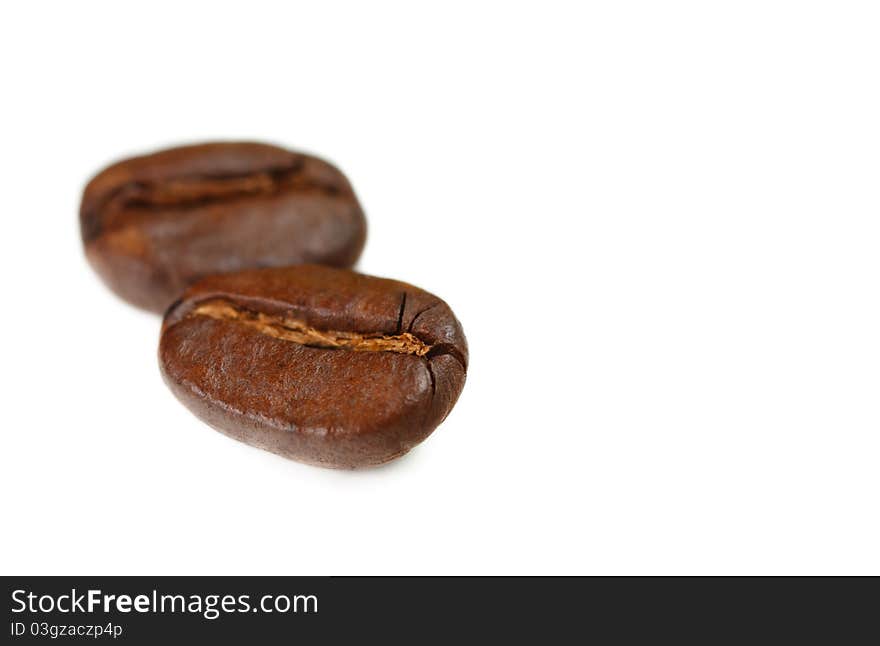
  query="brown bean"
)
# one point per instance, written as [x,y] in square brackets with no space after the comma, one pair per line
[321,365]
[155,224]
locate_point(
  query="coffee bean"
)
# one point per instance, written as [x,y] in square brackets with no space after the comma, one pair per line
[321,365]
[155,224]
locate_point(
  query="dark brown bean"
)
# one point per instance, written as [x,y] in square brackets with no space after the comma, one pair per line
[155,224]
[321,365]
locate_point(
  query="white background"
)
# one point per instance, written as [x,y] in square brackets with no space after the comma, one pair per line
[658,223]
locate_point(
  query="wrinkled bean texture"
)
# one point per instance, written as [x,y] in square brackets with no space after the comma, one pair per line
[155,224]
[321,365]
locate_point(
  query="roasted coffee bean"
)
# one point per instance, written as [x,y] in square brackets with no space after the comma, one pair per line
[321,365]
[155,224]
